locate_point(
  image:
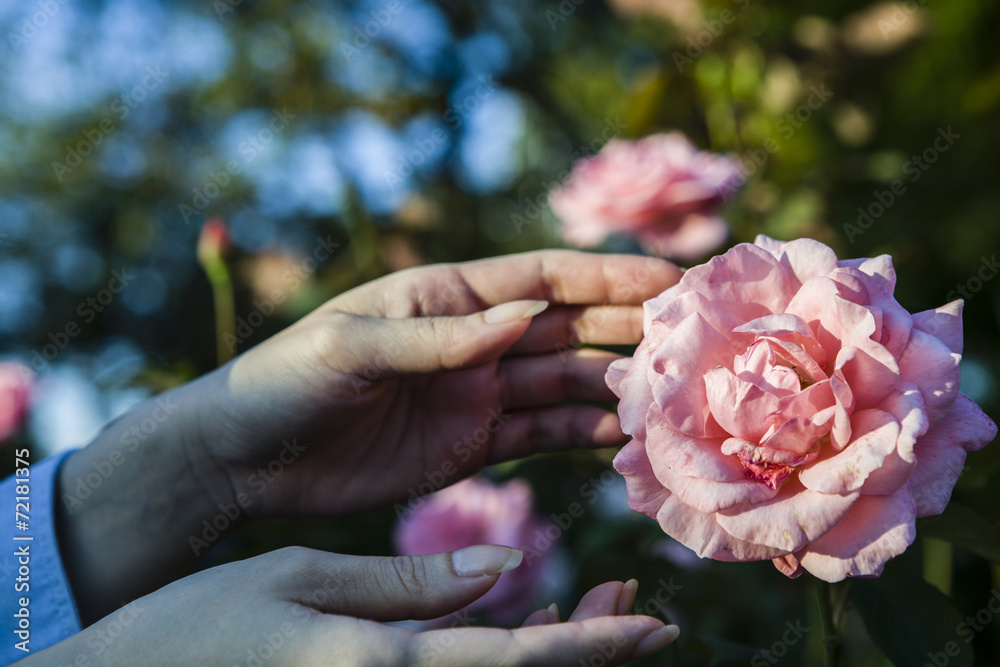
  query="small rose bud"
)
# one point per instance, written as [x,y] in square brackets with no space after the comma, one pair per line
[214,240]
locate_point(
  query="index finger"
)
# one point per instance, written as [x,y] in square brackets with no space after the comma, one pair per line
[568,277]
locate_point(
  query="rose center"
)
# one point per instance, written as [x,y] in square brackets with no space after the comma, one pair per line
[775,410]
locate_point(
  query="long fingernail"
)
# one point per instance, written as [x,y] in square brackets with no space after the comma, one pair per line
[485,559]
[514,311]
[554,612]
[627,597]
[657,640]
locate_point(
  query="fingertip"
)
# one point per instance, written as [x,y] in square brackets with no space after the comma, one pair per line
[485,560]
[547,616]
[627,598]
[608,431]
[539,617]
[641,278]
[514,311]
[601,600]
[657,640]
[664,271]
[581,640]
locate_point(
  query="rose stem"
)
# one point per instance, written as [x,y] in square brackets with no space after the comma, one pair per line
[225,310]
[831,633]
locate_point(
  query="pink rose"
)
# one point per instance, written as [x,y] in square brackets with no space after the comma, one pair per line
[661,190]
[477,512]
[783,405]
[15,393]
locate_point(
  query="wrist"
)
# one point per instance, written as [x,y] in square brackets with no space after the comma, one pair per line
[131,504]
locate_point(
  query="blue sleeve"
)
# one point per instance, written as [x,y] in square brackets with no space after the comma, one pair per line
[36,602]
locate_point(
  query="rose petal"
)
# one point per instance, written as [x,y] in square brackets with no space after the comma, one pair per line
[876,529]
[684,195]
[800,360]
[840,435]
[875,436]
[805,257]
[645,493]
[789,328]
[789,566]
[879,268]
[766,465]
[688,456]
[896,322]
[779,380]
[742,409]
[811,304]
[616,373]
[870,371]
[759,365]
[746,280]
[798,434]
[839,323]
[852,322]
[790,520]
[803,418]
[709,496]
[634,390]
[702,534]
[748,451]
[773,246]
[808,402]
[755,361]
[944,323]
[941,453]
[692,238]
[907,406]
[777,324]
[669,316]
[933,367]
[652,307]
[970,426]
[679,364]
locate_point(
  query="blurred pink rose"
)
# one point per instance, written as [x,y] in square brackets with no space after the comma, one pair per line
[477,512]
[783,405]
[661,190]
[15,393]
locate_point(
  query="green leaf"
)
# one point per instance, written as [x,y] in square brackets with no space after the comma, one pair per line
[966,528]
[912,622]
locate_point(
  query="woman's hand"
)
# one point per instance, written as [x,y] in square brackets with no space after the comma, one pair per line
[302,607]
[394,389]
[417,380]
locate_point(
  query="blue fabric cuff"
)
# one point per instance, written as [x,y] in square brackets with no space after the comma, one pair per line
[35,597]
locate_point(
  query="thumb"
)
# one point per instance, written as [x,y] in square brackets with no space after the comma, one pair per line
[406,587]
[430,344]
